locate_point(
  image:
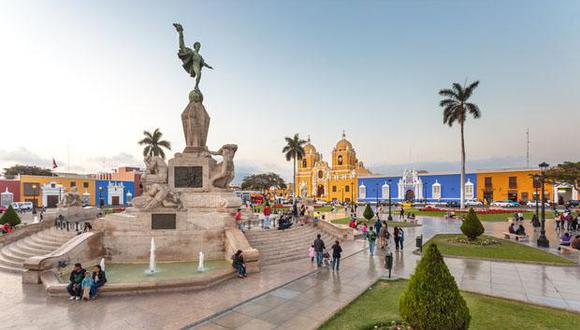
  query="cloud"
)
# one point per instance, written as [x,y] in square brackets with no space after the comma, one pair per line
[119,160]
[22,156]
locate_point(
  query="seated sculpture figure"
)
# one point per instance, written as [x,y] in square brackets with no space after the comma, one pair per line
[156,171]
[223,173]
[72,198]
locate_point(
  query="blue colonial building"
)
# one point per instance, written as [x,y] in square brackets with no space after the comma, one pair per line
[114,193]
[416,187]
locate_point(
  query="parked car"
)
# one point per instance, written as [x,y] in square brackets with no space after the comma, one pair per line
[22,206]
[506,203]
[473,203]
[3,209]
[452,204]
[533,204]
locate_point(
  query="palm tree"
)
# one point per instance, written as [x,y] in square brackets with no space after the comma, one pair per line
[153,144]
[455,109]
[294,151]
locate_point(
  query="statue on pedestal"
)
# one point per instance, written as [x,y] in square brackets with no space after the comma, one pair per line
[156,171]
[223,173]
[72,198]
[193,62]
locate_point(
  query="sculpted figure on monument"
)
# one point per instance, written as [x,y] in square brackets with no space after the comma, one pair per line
[72,198]
[224,172]
[157,195]
[192,60]
[156,171]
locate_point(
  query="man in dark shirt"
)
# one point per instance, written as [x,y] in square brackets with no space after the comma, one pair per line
[319,249]
[75,279]
[336,251]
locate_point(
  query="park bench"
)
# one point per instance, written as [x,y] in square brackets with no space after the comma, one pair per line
[568,249]
[518,238]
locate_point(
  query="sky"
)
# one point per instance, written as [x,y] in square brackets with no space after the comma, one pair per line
[81,80]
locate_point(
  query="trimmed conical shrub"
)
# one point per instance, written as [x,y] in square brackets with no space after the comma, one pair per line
[368,212]
[471,226]
[10,217]
[432,299]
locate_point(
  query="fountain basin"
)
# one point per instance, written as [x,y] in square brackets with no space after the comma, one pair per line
[126,279]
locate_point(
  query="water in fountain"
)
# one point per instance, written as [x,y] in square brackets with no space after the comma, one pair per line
[102,264]
[152,269]
[200,266]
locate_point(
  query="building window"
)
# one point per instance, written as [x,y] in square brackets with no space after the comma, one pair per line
[513,196]
[346,188]
[320,174]
[436,190]
[304,163]
[524,196]
[73,184]
[537,182]
[513,182]
[362,191]
[386,191]
[333,188]
[469,190]
[85,184]
[30,189]
[488,182]
[339,159]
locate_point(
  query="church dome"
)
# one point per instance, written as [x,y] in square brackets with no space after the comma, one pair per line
[308,147]
[343,144]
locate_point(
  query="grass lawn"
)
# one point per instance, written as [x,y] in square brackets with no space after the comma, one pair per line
[482,217]
[380,304]
[506,250]
[344,221]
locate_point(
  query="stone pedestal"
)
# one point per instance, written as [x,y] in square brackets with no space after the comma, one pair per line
[195,120]
[190,172]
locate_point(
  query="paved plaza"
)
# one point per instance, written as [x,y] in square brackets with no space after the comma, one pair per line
[291,295]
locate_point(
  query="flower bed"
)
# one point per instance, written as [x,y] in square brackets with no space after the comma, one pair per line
[486,211]
[486,241]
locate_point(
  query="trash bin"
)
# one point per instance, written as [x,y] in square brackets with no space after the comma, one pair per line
[389,262]
[419,242]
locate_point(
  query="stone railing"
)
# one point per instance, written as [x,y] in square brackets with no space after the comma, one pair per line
[344,233]
[236,240]
[82,248]
[26,229]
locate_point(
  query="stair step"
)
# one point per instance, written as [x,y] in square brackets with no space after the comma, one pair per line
[10,263]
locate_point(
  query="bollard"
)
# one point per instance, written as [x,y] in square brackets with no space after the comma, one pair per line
[389,262]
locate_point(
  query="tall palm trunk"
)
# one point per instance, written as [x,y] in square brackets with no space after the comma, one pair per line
[462,203]
[294,177]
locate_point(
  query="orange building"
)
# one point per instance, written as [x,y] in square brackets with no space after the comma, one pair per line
[510,184]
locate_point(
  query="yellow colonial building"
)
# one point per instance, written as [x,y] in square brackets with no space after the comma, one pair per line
[48,191]
[316,179]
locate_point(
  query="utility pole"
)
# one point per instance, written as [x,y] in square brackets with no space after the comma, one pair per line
[527,148]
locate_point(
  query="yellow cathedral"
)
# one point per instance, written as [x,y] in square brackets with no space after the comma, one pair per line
[315,179]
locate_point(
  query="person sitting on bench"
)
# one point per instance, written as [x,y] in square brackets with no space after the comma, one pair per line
[521,231]
[284,223]
[511,229]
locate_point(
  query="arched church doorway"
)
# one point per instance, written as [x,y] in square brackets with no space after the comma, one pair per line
[410,196]
[320,191]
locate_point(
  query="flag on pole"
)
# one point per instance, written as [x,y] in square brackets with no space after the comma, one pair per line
[54,164]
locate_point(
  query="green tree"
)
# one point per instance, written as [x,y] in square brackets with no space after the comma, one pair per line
[455,109]
[471,226]
[567,172]
[294,151]
[10,217]
[432,299]
[368,212]
[13,171]
[153,144]
[263,182]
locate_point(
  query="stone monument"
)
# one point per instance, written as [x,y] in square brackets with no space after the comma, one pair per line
[186,203]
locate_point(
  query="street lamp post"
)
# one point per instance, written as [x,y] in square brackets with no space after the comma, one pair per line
[390,218]
[352,192]
[536,178]
[101,196]
[35,190]
[543,240]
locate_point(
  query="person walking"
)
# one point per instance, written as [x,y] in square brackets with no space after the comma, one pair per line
[238,219]
[267,212]
[372,237]
[383,236]
[319,249]
[378,226]
[402,213]
[401,238]
[396,237]
[336,251]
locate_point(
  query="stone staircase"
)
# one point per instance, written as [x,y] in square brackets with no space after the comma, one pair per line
[12,256]
[278,246]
